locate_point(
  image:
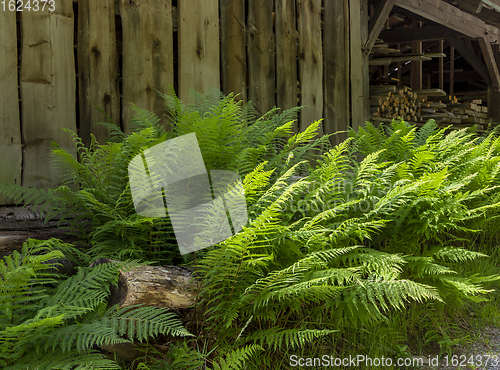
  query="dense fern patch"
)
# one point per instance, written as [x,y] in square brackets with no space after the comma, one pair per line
[367,251]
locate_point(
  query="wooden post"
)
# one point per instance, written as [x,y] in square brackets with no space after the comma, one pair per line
[48,86]
[147,55]
[286,55]
[358,22]
[416,66]
[10,125]
[452,69]
[400,83]
[198,46]
[336,57]
[310,61]
[233,48]
[493,95]
[261,48]
[97,67]
[441,65]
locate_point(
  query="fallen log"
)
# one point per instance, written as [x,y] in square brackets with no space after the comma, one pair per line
[162,286]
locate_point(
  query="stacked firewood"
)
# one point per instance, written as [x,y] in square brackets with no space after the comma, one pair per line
[389,102]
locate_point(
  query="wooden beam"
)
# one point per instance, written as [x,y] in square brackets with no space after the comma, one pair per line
[377,22]
[495,4]
[416,66]
[452,70]
[469,56]
[491,64]
[441,65]
[407,35]
[450,16]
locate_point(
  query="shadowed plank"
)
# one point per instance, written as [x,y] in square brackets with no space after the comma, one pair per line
[48,86]
[198,47]
[147,55]
[97,67]
[233,48]
[10,125]
[286,55]
[310,61]
[336,56]
[261,49]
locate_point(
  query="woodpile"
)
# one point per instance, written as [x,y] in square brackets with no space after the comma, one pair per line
[387,102]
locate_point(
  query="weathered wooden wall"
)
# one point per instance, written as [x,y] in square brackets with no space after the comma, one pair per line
[10,129]
[47,80]
[274,52]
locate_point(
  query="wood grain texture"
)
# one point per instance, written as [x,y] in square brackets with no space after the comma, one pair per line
[97,67]
[491,64]
[47,80]
[147,56]
[286,55]
[378,22]
[260,51]
[452,17]
[310,61]
[10,125]
[199,59]
[336,57]
[358,18]
[233,48]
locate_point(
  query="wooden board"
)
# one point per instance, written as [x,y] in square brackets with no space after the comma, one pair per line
[336,72]
[359,72]
[233,48]
[97,67]
[452,17]
[260,51]
[286,55]
[47,80]
[198,46]
[10,125]
[310,61]
[147,55]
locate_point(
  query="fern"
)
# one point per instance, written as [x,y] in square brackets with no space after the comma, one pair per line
[48,322]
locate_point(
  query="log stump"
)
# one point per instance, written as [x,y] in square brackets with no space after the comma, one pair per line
[162,286]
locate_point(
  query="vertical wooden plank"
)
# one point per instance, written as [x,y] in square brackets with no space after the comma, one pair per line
[198,46]
[494,96]
[416,66]
[310,61]
[286,55]
[441,65]
[10,125]
[359,68]
[97,67]
[233,47]
[336,72]
[48,86]
[260,51]
[452,70]
[400,83]
[365,66]
[147,55]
